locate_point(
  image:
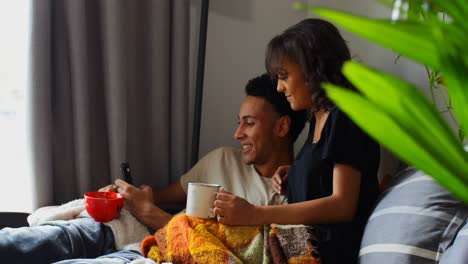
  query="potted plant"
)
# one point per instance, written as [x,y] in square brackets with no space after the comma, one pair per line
[394,111]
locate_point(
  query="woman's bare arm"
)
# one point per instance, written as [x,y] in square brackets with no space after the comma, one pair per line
[338,207]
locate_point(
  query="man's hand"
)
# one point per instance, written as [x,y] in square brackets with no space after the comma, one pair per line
[280,179]
[138,201]
[233,210]
[109,188]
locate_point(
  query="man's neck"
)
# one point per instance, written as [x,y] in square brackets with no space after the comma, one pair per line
[282,157]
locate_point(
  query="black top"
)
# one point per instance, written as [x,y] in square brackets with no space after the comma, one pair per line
[311,177]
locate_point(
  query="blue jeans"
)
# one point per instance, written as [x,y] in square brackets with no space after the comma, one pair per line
[55,241]
[118,257]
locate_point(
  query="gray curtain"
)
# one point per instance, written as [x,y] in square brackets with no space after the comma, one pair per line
[109,82]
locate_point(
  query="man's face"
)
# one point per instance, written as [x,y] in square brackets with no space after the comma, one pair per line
[255,132]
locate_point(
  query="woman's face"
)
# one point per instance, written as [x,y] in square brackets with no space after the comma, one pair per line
[291,82]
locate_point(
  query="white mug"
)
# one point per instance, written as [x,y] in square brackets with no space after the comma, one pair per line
[200,199]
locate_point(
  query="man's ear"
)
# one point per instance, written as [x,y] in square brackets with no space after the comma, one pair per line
[283,124]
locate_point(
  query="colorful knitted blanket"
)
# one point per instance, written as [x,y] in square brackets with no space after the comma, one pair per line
[188,239]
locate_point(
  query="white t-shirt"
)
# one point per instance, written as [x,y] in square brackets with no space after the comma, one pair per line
[224,166]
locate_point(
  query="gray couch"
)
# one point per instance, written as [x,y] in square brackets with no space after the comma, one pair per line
[416,221]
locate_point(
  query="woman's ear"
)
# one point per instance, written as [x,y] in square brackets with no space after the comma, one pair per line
[283,124]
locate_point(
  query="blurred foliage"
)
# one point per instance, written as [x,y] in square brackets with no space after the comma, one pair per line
[396,113]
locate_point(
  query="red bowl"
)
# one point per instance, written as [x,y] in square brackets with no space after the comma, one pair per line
[103,206]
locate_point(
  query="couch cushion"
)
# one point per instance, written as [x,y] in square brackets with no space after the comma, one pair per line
[457,253]
[414,221]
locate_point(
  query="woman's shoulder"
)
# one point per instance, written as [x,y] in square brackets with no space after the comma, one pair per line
[338,120]
[343,130]
[337,115]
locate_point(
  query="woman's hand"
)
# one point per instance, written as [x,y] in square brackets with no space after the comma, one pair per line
[233,210]
[280,179]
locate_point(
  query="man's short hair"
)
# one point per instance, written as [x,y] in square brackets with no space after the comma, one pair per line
[263,86]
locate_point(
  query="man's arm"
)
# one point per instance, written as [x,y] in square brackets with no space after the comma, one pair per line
[172,194]
[171,199]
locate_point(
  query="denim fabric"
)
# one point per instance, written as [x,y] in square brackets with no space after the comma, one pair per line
[56,240]
[118,257]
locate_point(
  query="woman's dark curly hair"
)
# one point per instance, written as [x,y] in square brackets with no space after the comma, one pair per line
[317,46]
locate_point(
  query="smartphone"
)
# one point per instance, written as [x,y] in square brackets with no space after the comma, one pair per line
[126,175]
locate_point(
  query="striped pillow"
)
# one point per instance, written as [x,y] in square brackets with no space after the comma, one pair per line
[458,252]
[415,221]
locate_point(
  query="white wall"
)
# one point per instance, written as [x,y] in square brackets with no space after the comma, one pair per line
[238,31]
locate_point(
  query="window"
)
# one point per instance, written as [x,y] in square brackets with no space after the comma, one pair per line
[15,161]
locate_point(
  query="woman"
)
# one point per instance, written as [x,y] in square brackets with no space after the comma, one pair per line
[332,184]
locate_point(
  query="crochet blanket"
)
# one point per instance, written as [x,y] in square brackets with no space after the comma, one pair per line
[192,240]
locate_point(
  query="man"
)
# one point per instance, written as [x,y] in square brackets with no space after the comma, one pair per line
[267,130]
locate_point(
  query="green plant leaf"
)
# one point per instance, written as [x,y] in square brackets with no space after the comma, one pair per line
[456,9]
[383,127]
[461,135]
[409,38]
[394,111]
[453,40]
[456,78]
[412,111]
